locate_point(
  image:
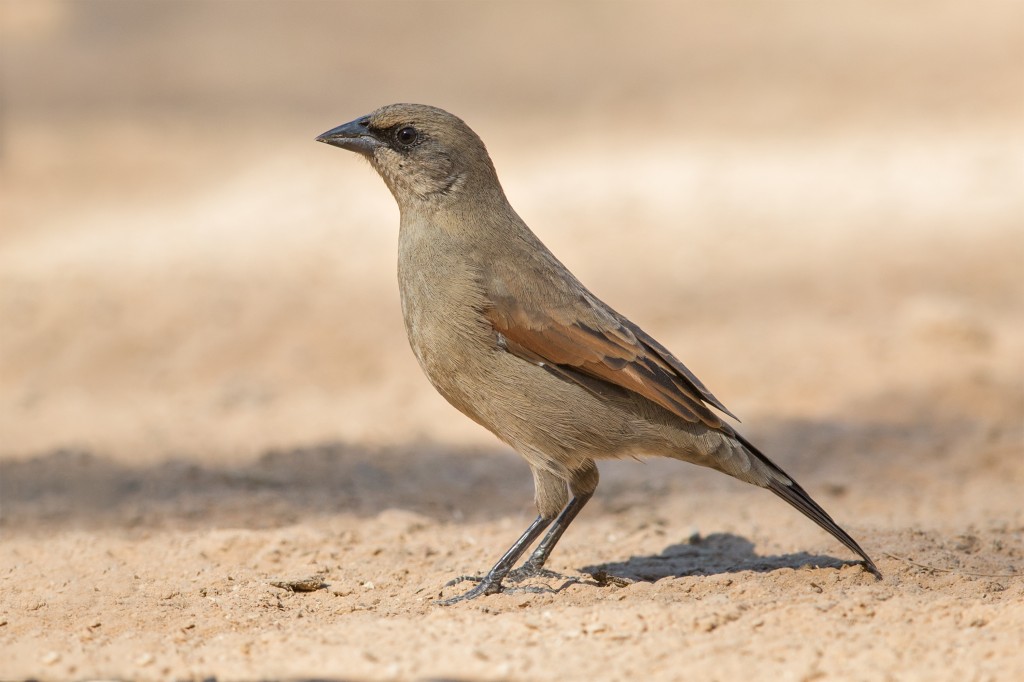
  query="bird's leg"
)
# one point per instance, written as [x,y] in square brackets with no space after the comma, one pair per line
[534,566]
[491,583]
[583,484]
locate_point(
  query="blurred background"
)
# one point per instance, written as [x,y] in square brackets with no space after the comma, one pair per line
[818,206]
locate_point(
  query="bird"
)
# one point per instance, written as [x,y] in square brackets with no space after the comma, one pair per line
[513,340]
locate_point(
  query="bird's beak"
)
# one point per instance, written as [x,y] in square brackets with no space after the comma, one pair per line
[354,136]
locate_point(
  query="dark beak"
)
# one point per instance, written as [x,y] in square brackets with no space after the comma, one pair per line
[354,136]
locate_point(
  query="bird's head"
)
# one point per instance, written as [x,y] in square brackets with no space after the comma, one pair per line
[423,153]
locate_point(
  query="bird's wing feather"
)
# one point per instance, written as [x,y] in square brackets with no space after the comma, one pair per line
[583,340]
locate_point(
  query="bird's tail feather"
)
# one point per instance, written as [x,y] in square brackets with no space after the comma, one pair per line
[785,487]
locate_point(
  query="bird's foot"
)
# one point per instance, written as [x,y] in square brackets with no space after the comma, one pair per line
[530,570]
[485,585]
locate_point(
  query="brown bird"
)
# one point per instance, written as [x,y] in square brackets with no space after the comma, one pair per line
[515,342]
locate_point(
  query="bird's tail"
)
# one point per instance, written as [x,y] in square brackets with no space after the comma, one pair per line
[785,487]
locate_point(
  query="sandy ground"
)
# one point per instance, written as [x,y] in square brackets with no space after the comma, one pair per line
[205,387]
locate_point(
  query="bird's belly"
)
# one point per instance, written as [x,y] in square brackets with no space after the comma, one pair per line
[554,424]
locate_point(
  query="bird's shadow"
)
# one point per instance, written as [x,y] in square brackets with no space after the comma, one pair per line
[715,554]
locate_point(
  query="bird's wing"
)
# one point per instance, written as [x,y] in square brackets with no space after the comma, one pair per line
[581,339]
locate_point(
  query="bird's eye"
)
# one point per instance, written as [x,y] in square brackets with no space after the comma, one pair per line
[406,136]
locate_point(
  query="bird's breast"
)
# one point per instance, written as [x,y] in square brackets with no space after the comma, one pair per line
[442,304]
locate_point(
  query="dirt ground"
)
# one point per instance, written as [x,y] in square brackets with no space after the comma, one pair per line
[206,393]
